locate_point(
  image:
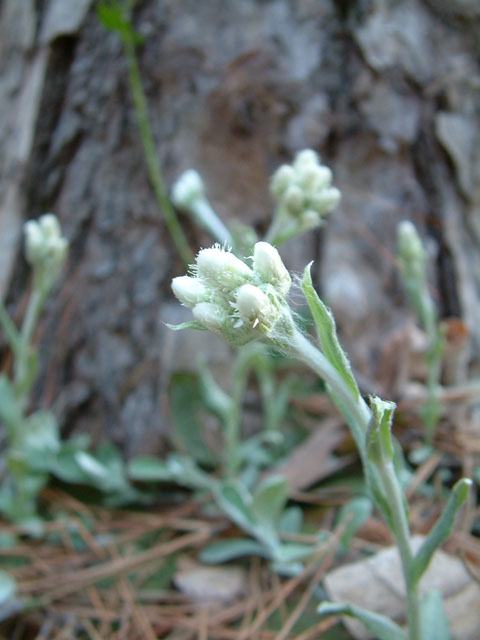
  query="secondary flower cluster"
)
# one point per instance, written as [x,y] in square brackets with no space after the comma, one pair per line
[45,247]
[303,190]
[230,298]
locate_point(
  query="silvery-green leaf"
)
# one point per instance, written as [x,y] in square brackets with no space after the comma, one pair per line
[380,626]
[327,332]
[10,410]
[269,500]
[230,549]
[235,501]
[433,620]
[149,469]
[291,520]
[8,587]
[187,325]
[441,529]
[353,513]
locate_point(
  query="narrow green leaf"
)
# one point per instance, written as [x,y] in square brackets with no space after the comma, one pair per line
[291,520]
[354,513]
[269,500]
[11,333]
[10,410]
[149,469]
[294,552]
[327,332]
[187,325]
[381,627]
[188,408]
[379,438]
[441,529]
[433,619]
[39,441]
[8,587]
[235,501]
[225,550]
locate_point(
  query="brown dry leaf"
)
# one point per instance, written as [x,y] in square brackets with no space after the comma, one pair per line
[315,458]
[376,583]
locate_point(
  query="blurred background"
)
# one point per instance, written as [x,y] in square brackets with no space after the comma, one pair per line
[387,92]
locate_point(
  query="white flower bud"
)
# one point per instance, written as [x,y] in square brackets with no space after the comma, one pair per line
[294,200]
[33,242]
[188,188]
[221,269]
[190,291]
[50,226]
[315,178]
[281,180]
[57,250]
[269,266]
[210,315]
[311,219]
[254,307]
[325,200]
[305,158]
[410,247]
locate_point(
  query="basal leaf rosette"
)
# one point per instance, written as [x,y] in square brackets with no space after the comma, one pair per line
[239,302]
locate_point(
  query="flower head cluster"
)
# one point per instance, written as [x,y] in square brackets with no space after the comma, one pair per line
[303,190]
[411,254]
[45,247]
[227,296]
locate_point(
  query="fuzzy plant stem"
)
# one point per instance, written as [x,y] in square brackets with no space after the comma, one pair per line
[233,421]
[356,408]
[35,304]
[155,173]
[401,532]
[206,216]
[360,415]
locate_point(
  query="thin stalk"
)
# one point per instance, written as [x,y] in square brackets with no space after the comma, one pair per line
[355,407]
[9,328]
[34,307]
[280,229]
[151,158]
[206,216]
[233,422]
[401,532]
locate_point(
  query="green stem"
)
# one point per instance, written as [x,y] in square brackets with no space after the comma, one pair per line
[151,158]
[401,531]
[207,217]
[35,304]
[9,328]
[233,423]
[355,407]
[360,416]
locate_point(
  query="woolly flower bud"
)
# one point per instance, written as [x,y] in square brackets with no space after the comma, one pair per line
[315,177]
[254,308]
[44,244]
[410,247]
[294,199]
[33,242]
[281,180]
[305,158]
[188,188]
[210,315]
[325,200]
[222,270]
[50,226]
[190,291]
[269,266]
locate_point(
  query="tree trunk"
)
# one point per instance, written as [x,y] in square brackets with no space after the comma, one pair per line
[388,93]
